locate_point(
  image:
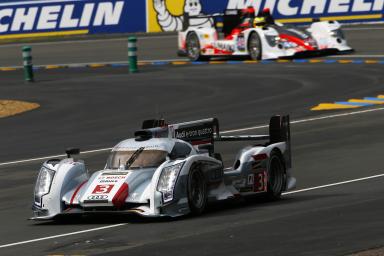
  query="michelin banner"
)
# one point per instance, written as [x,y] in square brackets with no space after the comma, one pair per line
[34,18]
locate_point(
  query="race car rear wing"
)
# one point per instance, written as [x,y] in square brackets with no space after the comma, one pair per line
[207,132]
[224,22]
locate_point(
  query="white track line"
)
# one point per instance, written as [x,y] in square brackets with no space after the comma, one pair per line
[51,157]
[62,235]
[334,184]
[358,56]
[123,224]
[99,40]
[309,119]
[223,132]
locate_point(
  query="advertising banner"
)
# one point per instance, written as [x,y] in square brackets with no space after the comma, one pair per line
[167,15]
[36,18]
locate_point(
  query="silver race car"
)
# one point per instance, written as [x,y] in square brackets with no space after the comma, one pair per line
[241,33]
[167,170]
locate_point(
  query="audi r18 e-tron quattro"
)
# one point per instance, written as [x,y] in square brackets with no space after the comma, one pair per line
[167,170]
[260,37]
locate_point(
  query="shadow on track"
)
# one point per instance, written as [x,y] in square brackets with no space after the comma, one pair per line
[215,209]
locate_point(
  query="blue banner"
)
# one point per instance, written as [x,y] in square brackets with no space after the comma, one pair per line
[41,17]
[29,18]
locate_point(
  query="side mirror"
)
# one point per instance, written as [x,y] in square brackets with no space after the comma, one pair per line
[72,151]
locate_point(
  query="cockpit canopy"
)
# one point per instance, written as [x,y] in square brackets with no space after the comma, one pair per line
[151,153]
[146,159]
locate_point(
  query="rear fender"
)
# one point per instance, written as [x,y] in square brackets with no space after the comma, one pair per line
[247,156]
[206,37]
[252,162]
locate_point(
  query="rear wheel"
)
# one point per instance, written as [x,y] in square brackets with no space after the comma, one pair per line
[254,46]
[276,176]
[197,191]
[193,47]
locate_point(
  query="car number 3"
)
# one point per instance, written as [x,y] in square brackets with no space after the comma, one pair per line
[260,182]
[102,189]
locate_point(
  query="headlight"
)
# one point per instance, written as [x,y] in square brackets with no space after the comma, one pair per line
[167,181]
[43,183]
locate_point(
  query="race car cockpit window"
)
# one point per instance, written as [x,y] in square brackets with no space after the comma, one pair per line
[146,159]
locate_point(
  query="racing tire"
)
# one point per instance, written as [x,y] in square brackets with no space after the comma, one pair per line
[276,176]
[197,191]
[193,47]
[254,46]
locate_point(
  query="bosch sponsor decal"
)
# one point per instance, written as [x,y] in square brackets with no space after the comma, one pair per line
[76,16]
[107,178]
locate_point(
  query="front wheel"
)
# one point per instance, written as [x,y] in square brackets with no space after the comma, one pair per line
[276,176]
[193,47]
[197,191]
[254,46]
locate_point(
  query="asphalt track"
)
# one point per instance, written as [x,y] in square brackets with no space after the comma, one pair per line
[95,108]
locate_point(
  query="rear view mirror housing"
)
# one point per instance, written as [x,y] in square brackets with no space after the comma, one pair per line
[72,151]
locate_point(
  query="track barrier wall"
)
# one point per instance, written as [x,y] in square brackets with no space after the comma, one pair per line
[38,18]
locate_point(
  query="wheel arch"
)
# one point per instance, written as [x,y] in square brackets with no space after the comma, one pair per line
[248,35]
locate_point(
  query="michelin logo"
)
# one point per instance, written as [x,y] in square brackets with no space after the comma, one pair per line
[59,14]
[168,22]
[308,7]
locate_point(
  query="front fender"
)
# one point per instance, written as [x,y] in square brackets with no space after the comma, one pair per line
[68,174]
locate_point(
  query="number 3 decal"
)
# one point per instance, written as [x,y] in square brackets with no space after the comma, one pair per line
[102,189]
[260,182]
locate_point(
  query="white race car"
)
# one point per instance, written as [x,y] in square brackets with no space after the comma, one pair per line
[240,36]
[167,170]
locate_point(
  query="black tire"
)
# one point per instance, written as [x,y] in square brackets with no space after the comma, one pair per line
[193,47]
[255,48]
[276,176]
[197,191]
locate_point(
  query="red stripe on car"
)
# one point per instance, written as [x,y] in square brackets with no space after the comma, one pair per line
[76,191]
[297,41]
[120,196]
[260,157]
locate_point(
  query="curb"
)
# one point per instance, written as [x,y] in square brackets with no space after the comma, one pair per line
[216,62]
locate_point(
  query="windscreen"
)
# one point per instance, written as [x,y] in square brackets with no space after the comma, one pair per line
[146,159]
